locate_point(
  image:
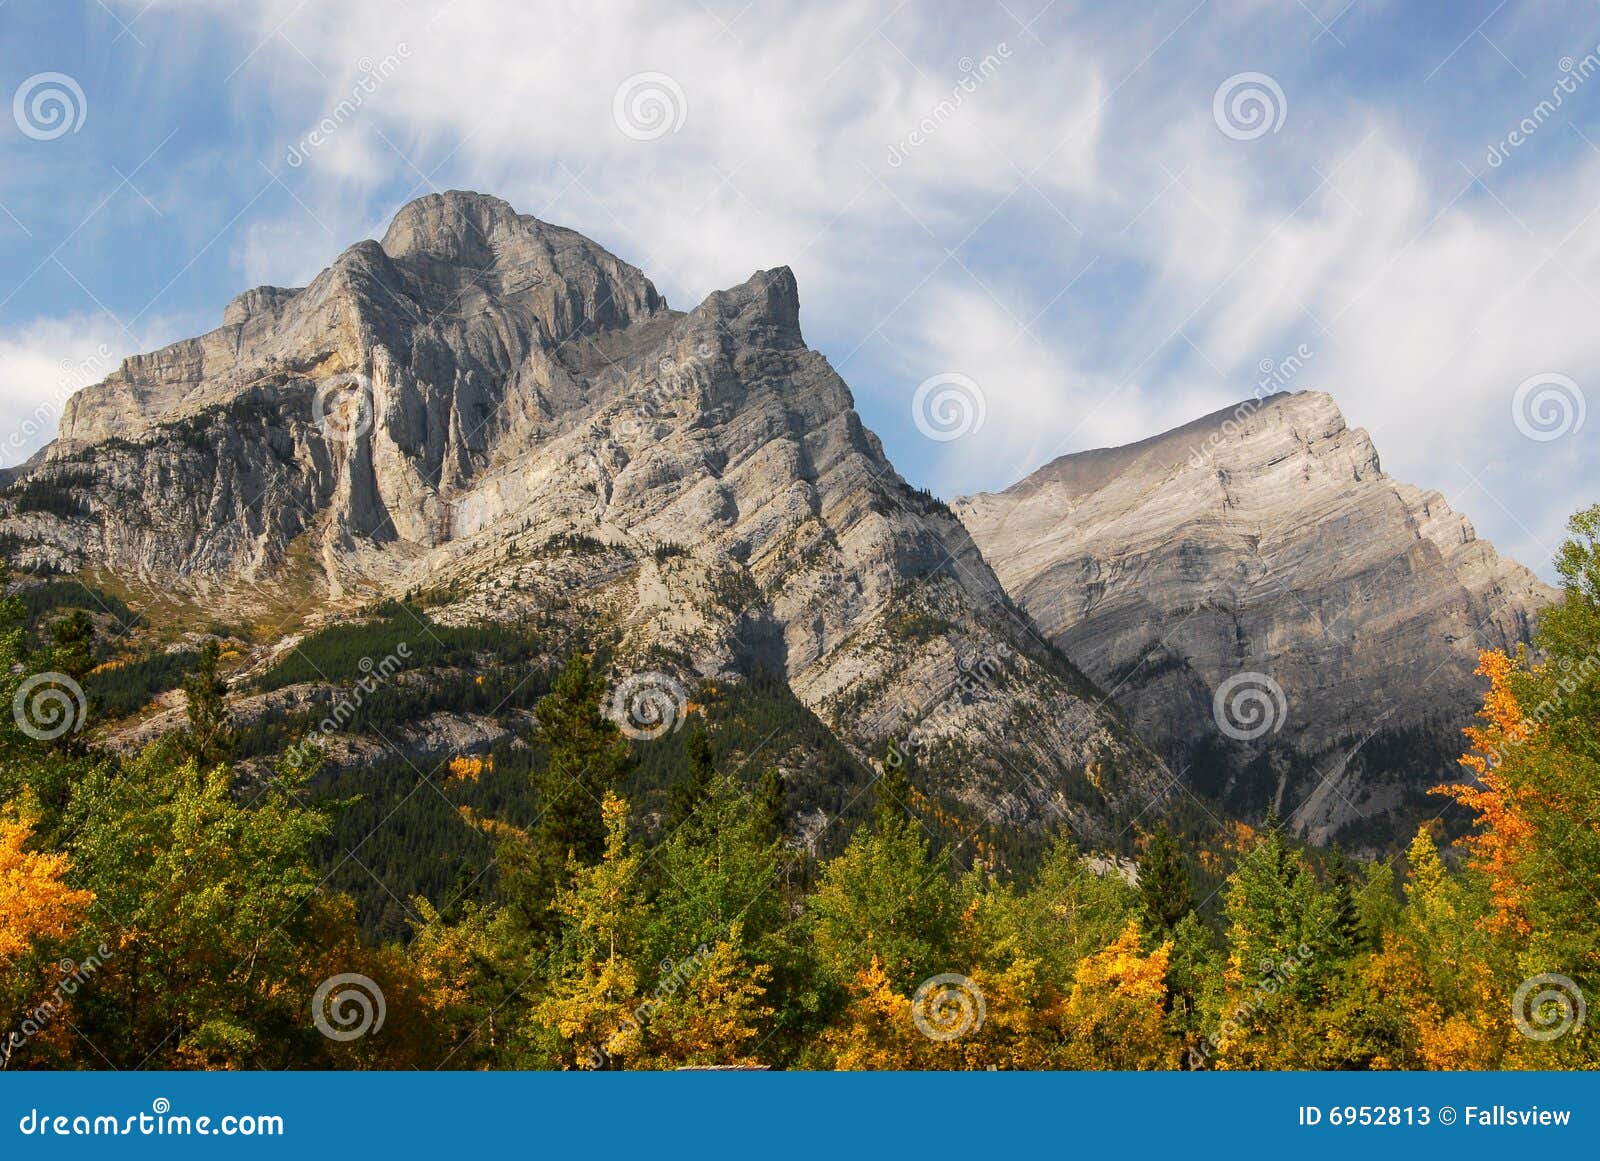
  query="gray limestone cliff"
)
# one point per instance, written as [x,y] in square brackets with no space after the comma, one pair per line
[1265,539]
[498,414]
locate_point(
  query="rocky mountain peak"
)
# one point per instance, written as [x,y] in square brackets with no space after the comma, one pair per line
[1265,539]
[454,226]
[764,309]
[500,415]
[262,301]
[1231,435]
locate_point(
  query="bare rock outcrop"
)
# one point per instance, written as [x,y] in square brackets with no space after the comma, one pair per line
[500,414]
[1265,539]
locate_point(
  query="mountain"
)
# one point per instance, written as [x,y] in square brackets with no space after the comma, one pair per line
[500,422]
[1281,620]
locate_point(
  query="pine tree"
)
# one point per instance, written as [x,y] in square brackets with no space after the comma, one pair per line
[1281,940]
[595,998]
[691,791]
[586,759]
[207,739]
[1345,930]
[1165,895]
[770,806]
[891,806]
[72,644]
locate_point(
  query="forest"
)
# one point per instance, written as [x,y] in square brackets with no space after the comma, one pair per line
[160,910]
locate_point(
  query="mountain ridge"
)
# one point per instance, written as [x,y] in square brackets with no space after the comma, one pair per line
[1265,538]
[500,417]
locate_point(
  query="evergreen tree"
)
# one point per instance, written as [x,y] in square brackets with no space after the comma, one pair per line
[770,805]
[585,760]
[1165,895]
[207,739]
[691,791]
[594,996]
[1377,904]
[72,644]
[891,804]
[1345,925]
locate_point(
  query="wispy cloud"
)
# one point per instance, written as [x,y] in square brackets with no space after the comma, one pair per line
[1036,196]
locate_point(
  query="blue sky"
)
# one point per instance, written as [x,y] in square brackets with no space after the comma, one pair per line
[1081,229]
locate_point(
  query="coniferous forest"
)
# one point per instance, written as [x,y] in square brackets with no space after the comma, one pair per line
[577,900]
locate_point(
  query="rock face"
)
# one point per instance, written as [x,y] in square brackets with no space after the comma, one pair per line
[498,416]
[1266,540]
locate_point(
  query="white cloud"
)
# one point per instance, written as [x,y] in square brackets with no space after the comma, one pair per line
[1037,403]
[1089,140]
[41,364]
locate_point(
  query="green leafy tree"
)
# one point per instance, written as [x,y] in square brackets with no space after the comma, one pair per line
[209,910]
[887,897]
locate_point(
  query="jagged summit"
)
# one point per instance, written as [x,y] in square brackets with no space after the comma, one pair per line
[457,274]
[502,415]
[1266,538]
[458,226]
